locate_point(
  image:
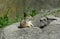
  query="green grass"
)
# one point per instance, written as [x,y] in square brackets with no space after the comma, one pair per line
[32,13]
[5,20]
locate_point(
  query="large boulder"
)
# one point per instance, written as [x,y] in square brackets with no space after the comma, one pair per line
[51,31]
[13,32]
[11,28]
[27,33]
[45,21]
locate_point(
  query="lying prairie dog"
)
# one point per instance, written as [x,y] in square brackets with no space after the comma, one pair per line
[26,23]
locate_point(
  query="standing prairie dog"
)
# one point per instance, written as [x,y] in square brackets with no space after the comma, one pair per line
[26,23]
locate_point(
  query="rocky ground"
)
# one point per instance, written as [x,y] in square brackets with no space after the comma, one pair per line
[51,31]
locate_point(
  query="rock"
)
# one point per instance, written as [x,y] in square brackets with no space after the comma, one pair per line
[53,31]
[49,32]
[45,21]
[26,33]
[56,21]
[1,34]
[11,28]
[42,22]
[13,32]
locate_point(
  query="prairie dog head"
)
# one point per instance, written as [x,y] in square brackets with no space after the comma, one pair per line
[27,22]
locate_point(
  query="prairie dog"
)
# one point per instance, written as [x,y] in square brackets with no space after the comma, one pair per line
[27,22]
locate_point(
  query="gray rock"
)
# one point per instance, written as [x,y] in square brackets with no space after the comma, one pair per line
[42,22]
[53,28]
[11,28]
[1,34]
[49,32]
[13,32]
[26,33]
[53,31]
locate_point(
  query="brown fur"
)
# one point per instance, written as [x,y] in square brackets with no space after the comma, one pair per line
[26,22]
